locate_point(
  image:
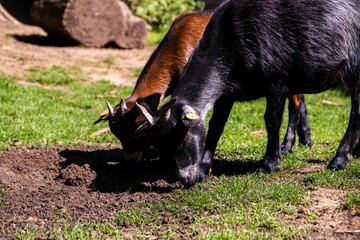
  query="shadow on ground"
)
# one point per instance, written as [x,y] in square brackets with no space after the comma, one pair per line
[114,174]
[44,41]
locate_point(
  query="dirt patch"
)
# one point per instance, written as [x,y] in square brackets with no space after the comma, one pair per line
[23,47]
[324,217]
[83,183]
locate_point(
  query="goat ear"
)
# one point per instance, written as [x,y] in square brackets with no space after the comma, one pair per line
[105,115]
[166,109]
[145,113]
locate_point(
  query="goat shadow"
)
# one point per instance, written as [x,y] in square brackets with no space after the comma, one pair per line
[114,174]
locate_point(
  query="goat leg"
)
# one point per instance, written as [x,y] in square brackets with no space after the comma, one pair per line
[273,118]
[221,112]
[303,129]
[344,152]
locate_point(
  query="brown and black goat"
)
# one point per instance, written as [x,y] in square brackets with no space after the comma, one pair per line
[161,75]
[261,48]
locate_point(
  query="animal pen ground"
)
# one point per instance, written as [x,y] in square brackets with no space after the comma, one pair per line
[49,190]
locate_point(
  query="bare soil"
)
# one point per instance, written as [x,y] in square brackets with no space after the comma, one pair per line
[94,183]
[24,46]
[85,183]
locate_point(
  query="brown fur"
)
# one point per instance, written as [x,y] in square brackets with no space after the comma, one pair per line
[172,62]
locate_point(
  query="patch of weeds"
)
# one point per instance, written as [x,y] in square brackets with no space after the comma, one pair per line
[70,231]
[3,192]
[54,75]
[135,216]
[81,45]
[137,72]
[312,216]
[22,59]
[110,61]
[352,201]
[155,36]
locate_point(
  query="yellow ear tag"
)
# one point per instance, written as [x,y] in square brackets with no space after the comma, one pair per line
[191,116]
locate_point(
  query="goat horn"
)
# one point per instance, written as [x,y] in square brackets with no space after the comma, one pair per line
[145,113]
[123,105]
[110,108]
[166,110]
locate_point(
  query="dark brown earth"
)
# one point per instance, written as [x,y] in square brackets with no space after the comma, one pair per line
[85,183]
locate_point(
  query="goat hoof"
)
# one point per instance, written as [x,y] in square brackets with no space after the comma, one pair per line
[308,143]
[269,165]
[337,164]
[202,176]
[356,151]
[285,148]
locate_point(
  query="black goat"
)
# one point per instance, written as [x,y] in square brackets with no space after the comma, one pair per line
[159,77]
[262,48]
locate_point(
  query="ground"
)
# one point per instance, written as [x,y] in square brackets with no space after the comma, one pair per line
[90,182]
[20,44]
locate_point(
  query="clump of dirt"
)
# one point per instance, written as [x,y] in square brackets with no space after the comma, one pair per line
[75,175]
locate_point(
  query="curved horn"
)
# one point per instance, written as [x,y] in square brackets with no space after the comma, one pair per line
[110,108]
[123,105]
[145,113]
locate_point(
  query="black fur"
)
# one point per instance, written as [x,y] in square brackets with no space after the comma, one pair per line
[272,49]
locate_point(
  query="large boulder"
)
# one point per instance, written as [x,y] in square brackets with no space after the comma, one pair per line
[94,23]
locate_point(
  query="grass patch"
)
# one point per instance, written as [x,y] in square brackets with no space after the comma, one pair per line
[54,75]
[336,179]
[3,192]
[137,72]
[44,117]
[110,61]
[352,202]
[71,231]
[228,206]
[155,36]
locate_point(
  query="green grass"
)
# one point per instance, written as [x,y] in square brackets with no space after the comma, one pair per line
[3,192]
[33,115]
[239,204]
[155,36]
[352,201]
[54,75]
[109,61]
[340,179]
[229,206]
